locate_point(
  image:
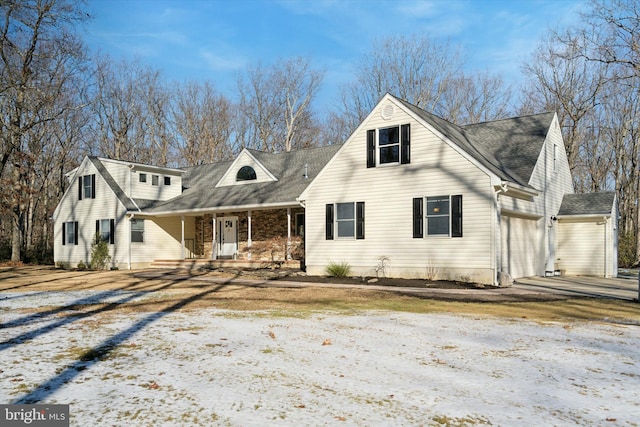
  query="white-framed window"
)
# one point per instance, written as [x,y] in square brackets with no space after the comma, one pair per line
[142,177]
[87,187]
[155,180]
[443,216]
[345,220]
[106,229]
[246,173]
[389,145]
[70,233]
[137,230]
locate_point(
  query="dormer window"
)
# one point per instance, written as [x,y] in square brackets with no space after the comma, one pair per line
[246,173]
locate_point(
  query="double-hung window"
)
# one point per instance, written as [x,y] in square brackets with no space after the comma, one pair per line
[155,180]
[70,233]
[106,229]
[137,230]
[142,177]
[344,220]
[87,187]
[443,216]
[390,145]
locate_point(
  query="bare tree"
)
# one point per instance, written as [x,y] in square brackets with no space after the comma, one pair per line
[202,123]
[275,102]
[40,54]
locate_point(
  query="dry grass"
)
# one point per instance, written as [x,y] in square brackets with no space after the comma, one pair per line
[184,295]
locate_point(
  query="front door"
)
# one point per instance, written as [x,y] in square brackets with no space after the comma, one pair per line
[227,236]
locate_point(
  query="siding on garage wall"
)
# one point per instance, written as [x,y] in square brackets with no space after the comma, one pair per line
[587,247]
[162,239]
[388,191]
[86,212]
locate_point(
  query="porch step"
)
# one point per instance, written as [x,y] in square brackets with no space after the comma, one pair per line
[194,264]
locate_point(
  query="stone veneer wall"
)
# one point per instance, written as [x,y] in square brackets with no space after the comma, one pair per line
[268,235]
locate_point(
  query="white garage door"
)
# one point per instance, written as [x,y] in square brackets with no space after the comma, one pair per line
[519,246]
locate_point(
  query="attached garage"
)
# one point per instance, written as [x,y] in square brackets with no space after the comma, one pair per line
[587,238]
[519,245]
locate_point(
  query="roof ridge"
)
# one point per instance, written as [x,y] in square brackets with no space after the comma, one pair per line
[507,118]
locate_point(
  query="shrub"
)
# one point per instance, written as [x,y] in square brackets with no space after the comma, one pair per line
[81,266]
[342,269]
[62,265]
[100,257]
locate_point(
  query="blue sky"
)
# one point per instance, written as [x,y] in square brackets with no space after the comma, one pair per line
[215,40]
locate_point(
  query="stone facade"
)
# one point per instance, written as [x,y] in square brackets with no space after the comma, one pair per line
[268,235]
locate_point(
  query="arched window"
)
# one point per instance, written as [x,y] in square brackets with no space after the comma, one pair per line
[246,173]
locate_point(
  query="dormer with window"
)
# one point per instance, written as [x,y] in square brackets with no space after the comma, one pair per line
[247,169]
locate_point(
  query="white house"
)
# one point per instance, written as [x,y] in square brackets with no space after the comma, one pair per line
[430,198]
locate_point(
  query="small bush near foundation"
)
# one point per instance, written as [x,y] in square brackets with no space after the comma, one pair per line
[341,269]
[100,257]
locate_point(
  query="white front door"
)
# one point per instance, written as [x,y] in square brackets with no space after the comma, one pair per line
[227,236]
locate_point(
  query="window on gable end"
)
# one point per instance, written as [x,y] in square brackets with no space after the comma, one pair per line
[246,173]
[87,187]
[390,145]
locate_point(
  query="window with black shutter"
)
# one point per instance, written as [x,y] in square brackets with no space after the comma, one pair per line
[329,222]
[418,220]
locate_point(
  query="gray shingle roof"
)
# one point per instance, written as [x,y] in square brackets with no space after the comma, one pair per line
[508,148]
[200,181]
[587,204]
[516,142]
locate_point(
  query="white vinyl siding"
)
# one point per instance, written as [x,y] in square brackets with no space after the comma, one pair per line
[86,212]
[388,192]
[162,239]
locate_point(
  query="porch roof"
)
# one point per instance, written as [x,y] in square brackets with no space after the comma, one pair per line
[289,169]
[594,204]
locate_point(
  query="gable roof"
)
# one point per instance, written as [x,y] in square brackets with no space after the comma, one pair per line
[596,204]
[508,148]
[201,193]
[516,141]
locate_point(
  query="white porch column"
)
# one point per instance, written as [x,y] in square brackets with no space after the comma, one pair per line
[249,235]
[213,237]
[288,234]
[182,237]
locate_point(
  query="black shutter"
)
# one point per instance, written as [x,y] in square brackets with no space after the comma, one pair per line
[75,233]
[112,231]
[97,228]
[329,222]
[456,216]
[360,220]
[93,186]
[64,233]
[405,135]
[80,188]
[418,218]
[371,148]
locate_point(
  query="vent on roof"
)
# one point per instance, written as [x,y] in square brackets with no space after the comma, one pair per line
[387,111]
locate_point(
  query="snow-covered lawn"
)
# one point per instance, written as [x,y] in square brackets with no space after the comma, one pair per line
[216,367]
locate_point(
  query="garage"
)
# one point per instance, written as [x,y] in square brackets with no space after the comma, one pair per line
[519,245]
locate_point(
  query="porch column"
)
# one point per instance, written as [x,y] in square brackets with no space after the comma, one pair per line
[213,237]
[249,235]
[288,234]
[182,236]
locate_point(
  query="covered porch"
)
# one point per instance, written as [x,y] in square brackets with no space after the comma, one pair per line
[244,237]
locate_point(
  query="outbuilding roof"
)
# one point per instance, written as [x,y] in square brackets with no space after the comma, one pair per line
[588,204]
